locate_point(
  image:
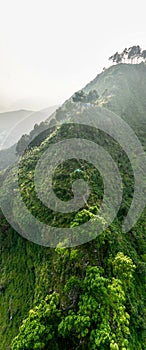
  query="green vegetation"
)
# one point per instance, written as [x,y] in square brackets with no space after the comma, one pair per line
[91,296]
[87,322]
[81,96]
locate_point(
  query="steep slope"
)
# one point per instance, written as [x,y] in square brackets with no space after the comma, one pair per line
[30,272]
[123,90]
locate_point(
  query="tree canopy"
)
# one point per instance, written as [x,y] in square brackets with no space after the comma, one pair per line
[94,315]
[129,55]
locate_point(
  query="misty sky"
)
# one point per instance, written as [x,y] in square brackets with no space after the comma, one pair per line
[50,49]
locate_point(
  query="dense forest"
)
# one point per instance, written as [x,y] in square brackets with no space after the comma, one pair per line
[83,296]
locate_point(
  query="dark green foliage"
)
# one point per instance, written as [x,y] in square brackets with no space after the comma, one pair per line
[128,54]
[143,54]
[81,96]
[134,52]
[116,58]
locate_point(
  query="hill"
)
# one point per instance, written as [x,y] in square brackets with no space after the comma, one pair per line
[122,88]
[16,123]
[12,126]
[91,295]
[7,121]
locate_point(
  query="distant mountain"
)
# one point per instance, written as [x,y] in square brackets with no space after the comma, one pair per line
[34,103]
[7,121]
[15,124]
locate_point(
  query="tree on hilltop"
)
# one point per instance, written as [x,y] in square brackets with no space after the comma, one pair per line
[116,58]
[134,52]
[143,55]
[130,54]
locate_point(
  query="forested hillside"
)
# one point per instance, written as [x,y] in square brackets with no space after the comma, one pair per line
[76,296]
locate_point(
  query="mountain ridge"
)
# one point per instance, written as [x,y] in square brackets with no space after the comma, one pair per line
[30,273]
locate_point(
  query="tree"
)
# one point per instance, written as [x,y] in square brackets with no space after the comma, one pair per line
[117,58]
[84,97]
[123,268]
[134,52]
[114,57]
[143,55]
[39,329]
[100,321]
[124,54]
[131,53]
[92,316]
[79,96]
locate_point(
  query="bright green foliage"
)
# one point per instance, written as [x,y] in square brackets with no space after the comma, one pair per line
[123,268]
[83,216]
[101,320]
[40,327]
[97,318]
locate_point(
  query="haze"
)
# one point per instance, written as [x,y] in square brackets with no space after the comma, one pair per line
[50,49]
